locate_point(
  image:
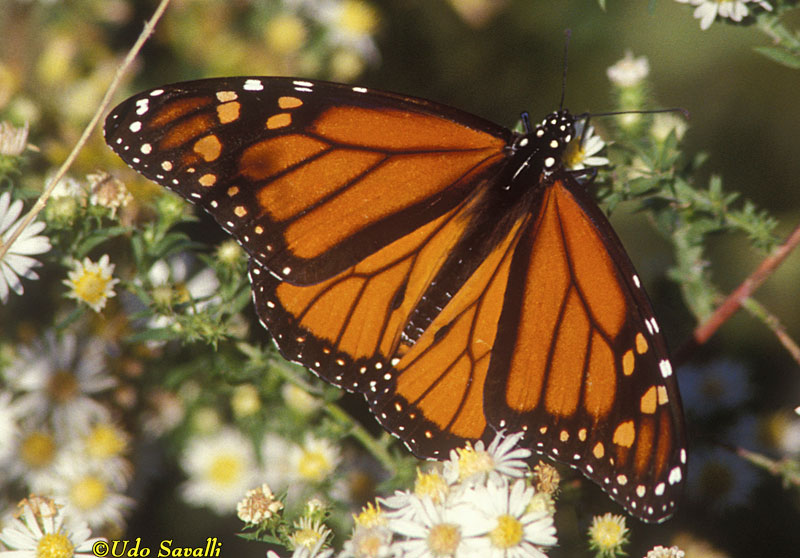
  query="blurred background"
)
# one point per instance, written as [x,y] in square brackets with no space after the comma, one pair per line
[494,59]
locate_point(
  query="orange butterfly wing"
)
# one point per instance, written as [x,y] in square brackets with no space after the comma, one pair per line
[580,365]
[446,268]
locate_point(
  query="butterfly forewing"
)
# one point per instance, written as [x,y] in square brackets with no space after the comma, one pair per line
[448,269]
[310,177]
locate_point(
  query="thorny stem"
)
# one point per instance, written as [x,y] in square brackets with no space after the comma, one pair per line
[705,330]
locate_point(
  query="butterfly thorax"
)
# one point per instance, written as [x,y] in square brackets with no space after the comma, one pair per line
[538,152]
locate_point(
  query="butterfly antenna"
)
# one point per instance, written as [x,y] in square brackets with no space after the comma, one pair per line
[568,34]
[683,111]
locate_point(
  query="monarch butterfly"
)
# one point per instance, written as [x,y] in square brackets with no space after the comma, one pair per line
[450,270]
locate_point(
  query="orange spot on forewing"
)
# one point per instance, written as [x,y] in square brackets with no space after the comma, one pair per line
[209,147]
[647,404]
[625,434]
[228,112]
[280,120]
[289,102]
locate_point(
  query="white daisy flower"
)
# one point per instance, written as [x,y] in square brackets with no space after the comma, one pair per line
[583,149]
[514,530]
[103,448]
[59,378]
[629,71]
[310,538]
[36,451]
[16,262]
[89,493]
[221,467]
[736,10]
[314,461]
[430,484]
[502,457]
[608,534]
[368,542]
[454,529]
[92,282]
[39,532]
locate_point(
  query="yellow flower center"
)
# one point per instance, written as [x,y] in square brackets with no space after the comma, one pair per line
[471,462]
[105,441]
[91,286]
[573,154]
[62,386]
[182,292]
[432,485]
[88,493]
[370,516]
[306,537]
[357,17]
[608,533]
[443,539]
[54,545]
[508,532]
[38,449]
[285,34]
[225,470]
[314,466]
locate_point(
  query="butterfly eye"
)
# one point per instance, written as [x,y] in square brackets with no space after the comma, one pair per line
[453,272]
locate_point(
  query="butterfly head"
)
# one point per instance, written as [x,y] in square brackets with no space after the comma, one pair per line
[540,149]
[554,134]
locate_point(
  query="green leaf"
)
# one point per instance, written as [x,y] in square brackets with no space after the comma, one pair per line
[781,56]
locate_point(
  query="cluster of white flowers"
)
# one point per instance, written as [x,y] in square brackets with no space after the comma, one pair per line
[58,439]
[43,530]
[479,503]
[735,10]
[223,464]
